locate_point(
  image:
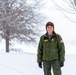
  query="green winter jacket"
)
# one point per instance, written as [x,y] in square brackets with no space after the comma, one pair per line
[51,49]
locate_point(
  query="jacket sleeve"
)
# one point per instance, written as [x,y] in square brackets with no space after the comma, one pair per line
[61,49]
[40,51]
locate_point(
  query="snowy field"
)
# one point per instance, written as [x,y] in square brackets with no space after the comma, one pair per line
[25,64]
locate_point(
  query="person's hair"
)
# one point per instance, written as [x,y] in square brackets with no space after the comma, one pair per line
[50,24]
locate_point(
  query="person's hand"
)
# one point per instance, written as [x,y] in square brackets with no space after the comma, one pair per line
[40,64]
[61,64]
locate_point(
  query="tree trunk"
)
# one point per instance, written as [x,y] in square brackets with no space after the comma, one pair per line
[7,41]
[75,2]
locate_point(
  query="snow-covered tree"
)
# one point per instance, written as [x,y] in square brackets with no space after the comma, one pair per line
[19,20]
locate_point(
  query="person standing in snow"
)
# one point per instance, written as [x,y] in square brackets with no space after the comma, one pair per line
[51,51]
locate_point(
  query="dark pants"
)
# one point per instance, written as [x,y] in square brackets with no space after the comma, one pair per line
[47,65]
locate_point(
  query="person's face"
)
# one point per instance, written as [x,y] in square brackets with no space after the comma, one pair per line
[50,29]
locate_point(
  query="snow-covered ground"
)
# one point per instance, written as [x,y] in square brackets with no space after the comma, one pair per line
[19,64]
[26,64]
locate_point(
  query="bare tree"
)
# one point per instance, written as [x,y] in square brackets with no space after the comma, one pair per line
[68,8]
[19,19]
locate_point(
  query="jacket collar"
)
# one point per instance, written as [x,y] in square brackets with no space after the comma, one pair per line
[46,34]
